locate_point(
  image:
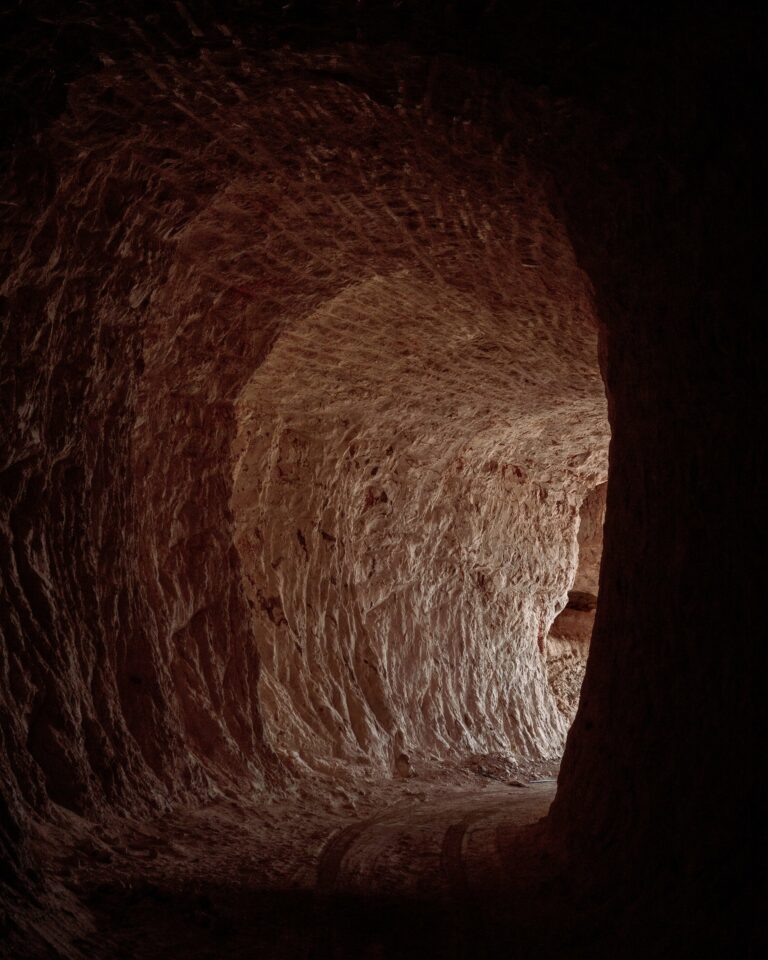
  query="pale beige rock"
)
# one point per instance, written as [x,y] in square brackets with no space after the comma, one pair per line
[567,646]
[407,473]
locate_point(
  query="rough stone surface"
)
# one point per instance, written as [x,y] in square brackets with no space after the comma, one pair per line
[423,212]
[303,420]
[567,646]
[405,537]
[381,512]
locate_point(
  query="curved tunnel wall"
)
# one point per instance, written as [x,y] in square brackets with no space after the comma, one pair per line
[424,315]
[109,629]
[405,499]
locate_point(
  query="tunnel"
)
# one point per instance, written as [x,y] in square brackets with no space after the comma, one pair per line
[379,481]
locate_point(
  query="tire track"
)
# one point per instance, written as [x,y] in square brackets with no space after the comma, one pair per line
[424,829]
[451,855]
[329,864]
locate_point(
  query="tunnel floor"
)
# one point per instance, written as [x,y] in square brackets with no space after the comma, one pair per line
[400,868]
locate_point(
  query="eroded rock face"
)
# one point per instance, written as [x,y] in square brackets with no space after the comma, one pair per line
[199,221]
[567,645]
[297,462]
[307,400]
[405,496]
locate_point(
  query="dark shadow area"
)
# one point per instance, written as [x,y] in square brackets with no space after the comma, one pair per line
[546,919]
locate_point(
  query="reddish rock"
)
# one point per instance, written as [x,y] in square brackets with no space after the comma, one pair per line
[301,404]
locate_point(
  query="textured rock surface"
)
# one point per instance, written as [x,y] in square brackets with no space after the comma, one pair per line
[409,462]
[567,646]
[400,869]
[306,402]
[191,211]
[421,434]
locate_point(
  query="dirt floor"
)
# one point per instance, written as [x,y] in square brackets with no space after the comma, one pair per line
[375,869]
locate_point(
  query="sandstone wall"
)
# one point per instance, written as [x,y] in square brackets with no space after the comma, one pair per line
[567,646]
[424,315]
[135,322]
[405,538]
[670,700]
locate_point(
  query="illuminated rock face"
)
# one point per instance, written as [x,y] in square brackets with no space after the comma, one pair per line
[405,497]
[304,434]
[567,646]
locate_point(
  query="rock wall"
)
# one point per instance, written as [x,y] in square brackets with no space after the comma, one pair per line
[670,704]
[169,217]
[590,539]
[567,647]
[405,499]
[177,506]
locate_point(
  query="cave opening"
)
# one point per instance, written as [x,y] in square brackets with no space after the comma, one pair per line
[305,479]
